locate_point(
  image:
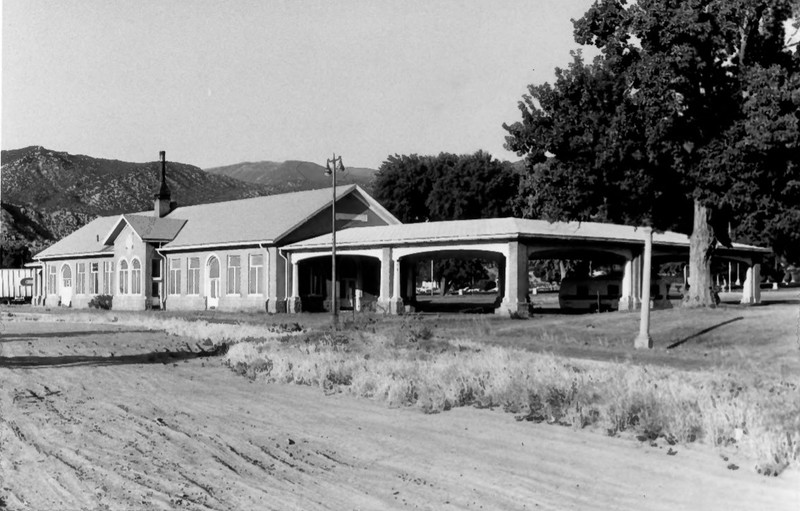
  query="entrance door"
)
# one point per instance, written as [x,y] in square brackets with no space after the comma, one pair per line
[212,282]
[347,293]
[66,285]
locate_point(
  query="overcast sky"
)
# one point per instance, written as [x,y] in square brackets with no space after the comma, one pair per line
[221,82]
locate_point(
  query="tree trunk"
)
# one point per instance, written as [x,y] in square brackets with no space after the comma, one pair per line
[701,243]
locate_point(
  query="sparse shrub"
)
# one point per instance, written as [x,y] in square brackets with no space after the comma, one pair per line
[435,376]
[101,302]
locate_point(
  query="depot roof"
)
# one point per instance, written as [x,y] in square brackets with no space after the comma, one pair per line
[495,229]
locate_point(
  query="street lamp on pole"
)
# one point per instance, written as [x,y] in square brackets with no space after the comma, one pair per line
[332,166]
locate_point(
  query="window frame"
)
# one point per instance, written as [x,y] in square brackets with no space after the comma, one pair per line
[66,281]
[94,277]
[123,277]
[259,277]
[52,279]
[80,278]
[233,281]
[174,276]
[193,277]
[136,280]
[108,277]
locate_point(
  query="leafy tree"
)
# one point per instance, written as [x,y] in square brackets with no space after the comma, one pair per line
[15,255]
[448,187]
[687,120]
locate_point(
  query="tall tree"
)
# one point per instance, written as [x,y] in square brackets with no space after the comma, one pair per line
[688,120]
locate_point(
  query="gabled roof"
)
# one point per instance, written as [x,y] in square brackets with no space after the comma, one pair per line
[258,220]
[86,241]
[494,229]
[147,226]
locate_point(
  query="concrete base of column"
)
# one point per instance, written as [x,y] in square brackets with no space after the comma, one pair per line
[294,305]
[643,342]
[519,309]
[276,306]
[627,303]
[396,306]
[383,306]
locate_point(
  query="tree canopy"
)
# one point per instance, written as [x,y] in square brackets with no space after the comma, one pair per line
[448,187]
[688,120]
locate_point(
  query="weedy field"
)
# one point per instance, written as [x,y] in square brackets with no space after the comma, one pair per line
[727,377]
[103,409]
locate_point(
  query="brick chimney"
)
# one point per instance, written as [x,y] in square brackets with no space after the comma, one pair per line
[163,203]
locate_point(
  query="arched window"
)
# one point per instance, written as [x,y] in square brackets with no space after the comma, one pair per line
[136,277]
[66,276]
[123,277]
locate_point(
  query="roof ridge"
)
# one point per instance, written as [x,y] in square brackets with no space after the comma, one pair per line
[339,189]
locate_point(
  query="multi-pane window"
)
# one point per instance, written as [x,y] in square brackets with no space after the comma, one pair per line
[256,281]
[66,276]
[108,277]
[80,278]
[94,278]
[234,274]
[123,277]
[175,276]
[136,277]
[51,279]
[193,282]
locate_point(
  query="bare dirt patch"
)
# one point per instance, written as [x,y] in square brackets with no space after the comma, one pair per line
[104,417]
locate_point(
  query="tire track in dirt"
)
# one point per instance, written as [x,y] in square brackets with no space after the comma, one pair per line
[193,435]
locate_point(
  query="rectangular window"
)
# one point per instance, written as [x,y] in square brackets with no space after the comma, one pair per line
[51,280]
[155,264]
[80,279]
[136,277]
[174,276]
[108,277]
[193,282]
[94,278]
[123,277]
[256,281]
[234,275]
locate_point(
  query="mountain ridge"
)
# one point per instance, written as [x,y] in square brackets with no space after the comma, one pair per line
[48,194]
[294,175]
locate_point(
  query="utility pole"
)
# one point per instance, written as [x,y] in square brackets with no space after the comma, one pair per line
[333,166]
[643,340]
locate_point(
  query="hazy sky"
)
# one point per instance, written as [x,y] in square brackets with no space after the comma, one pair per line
[220,82]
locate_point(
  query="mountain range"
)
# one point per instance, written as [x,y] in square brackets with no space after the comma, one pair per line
[46,195]
[293,175]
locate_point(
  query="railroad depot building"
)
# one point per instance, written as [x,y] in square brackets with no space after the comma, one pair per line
[273,254]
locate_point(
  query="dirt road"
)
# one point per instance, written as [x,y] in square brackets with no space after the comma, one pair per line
[100,417]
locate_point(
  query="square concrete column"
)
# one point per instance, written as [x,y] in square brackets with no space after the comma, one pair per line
[751,289]
[294,303]
[386,280]
[359,286]
[627,301]
[515,299]
[276,281]
[396,302]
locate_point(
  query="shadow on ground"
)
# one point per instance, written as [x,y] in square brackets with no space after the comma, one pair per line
[702,332]
[156,357]
[42,335]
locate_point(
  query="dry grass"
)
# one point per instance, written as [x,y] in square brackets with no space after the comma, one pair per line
[406,366]
[730,380]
